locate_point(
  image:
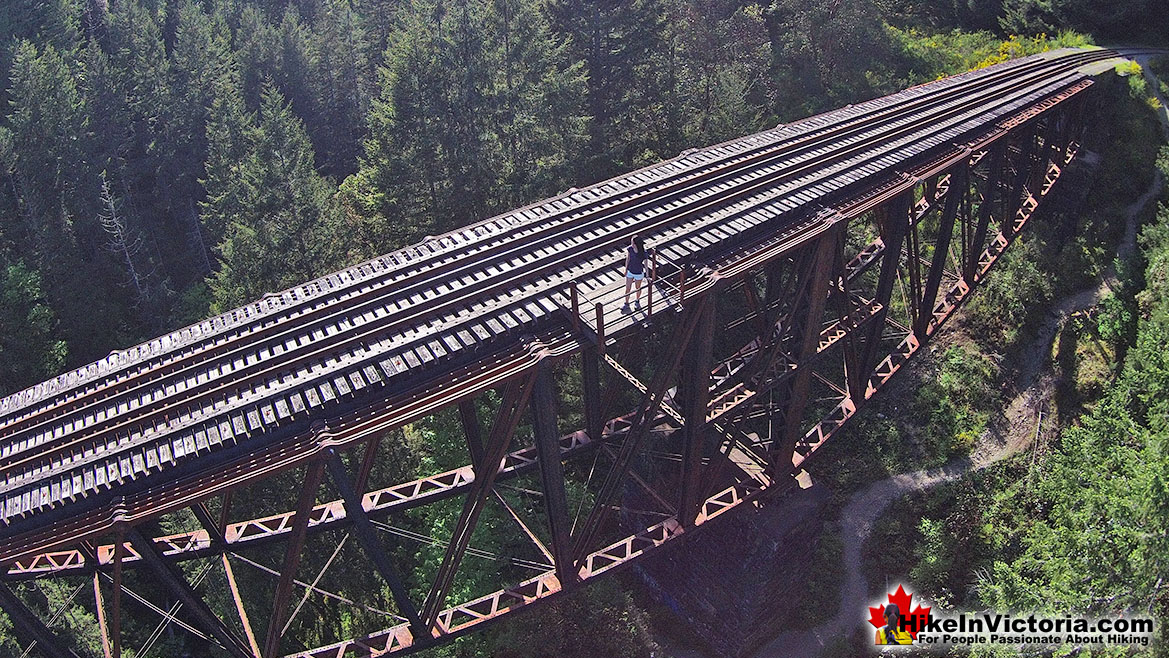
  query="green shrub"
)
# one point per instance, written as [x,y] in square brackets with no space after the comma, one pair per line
[932,56]
[1128,68]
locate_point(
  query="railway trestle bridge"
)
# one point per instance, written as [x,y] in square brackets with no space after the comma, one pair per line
[798,270]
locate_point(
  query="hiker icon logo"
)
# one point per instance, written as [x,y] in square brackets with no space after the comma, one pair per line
[901,622]
[894,622]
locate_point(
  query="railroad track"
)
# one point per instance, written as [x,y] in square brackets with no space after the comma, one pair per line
[257,321]
[373,327]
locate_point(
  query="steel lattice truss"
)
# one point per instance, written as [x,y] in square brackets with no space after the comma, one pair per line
[740,366]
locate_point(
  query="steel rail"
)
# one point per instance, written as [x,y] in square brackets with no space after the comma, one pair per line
[750,157]
[742,159]
[69,465]
[48,452]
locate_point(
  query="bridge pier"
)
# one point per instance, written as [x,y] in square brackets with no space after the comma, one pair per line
[547,438]
[694,400]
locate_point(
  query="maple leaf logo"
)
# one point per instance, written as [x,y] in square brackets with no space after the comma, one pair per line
[911,622]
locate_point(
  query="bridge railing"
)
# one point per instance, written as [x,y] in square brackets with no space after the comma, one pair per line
[590,316]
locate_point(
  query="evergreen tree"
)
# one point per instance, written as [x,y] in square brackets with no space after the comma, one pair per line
[229,127]
[1141,18]
[626,58]
[285,228]
[296,61]
[29,349]
[479,110]
[720,87]
[95,19]
[47,22]
[380,20]
[422,135]
[815,60]
[203,63]
[342,83]
[50,133]
[540,115]
[109,122]
[149,167]
[942,15]
[144,75]
[11,230]
[257,43]
[48,125]
[43,22]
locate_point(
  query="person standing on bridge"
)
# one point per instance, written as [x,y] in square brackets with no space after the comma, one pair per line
[636,262]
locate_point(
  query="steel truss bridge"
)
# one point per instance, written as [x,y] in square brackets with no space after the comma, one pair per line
[798,269]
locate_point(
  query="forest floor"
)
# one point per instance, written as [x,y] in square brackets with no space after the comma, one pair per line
[1014,431]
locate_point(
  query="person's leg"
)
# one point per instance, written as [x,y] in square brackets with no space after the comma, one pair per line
[628,283]
[637,297]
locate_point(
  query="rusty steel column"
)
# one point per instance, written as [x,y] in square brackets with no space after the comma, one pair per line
[116,604]
[913,264]
[367,462]
[784,297]
[590,373]
[994,180]
[694,392]
[552,474]
[1063,118]
[841,299]
[755,306]
[779,286]
[304,507]
[893,225]
[1023,164]
[809,338]
[1044,130]
[472,433]
[925,310]
[203,516]
[239,605]
[103,626]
